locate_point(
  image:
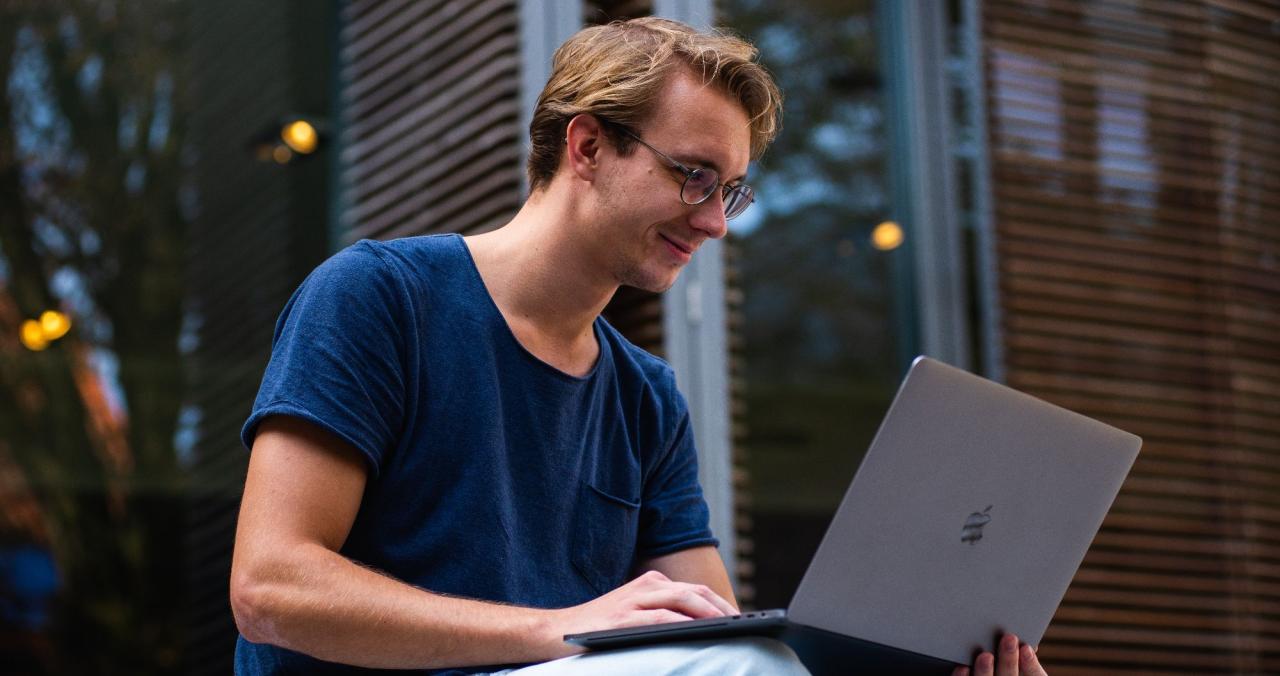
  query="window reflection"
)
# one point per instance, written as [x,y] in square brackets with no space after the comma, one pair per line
[92,250]
[816,258]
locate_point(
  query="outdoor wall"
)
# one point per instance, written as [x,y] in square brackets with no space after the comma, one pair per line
[430,135]
[1136,191]
[258,227]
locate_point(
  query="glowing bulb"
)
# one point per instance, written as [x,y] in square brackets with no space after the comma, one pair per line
[33,336]
[887,236]
[300,136]
[54,325]
[281,155]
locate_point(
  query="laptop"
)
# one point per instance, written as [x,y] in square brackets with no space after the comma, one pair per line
[968,518]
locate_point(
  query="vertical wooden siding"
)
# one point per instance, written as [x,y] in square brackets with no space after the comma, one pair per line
[1136,186]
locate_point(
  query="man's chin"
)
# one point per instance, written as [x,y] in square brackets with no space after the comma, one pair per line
[653,283]
[659,285]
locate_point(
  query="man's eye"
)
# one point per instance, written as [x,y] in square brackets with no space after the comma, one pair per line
[702,177]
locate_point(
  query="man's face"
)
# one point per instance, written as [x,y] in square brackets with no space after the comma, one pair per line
[648,233]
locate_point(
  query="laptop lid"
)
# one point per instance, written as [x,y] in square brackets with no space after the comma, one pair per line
[968,517]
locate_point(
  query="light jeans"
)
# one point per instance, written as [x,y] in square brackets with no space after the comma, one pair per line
[746,656]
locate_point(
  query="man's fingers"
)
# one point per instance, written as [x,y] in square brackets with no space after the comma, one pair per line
[985,665]
[651,577]
[1029,663]
[960,671]
[716,600]
[1007,659]
[683,600]
[655,580]
[656,616]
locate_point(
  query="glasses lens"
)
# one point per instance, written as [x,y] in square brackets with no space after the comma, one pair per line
[737,201]
[698,186]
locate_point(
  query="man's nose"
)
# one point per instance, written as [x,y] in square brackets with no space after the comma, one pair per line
[708,217]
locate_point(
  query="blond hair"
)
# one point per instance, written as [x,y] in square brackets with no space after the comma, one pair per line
[615,72]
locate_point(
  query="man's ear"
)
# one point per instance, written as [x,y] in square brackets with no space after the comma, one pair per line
[584,140]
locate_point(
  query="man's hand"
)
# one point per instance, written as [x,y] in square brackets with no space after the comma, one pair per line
[652,598]
[1014,659]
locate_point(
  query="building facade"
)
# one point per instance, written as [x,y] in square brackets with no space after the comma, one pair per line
[1079,199]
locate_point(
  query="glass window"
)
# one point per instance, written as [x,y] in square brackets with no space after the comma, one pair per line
[824,339]
[154,217]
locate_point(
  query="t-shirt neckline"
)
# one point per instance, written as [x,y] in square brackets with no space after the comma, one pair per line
[495,316]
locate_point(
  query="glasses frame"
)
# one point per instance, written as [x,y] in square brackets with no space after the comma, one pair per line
[726,190]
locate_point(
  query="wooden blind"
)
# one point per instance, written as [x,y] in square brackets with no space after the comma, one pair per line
[1136,187]
[431,137]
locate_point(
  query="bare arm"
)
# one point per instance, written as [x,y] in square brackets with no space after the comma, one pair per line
[290,587]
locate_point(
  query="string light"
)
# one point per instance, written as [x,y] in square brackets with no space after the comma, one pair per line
[300,136]
[37,334]
[887,236]
[33,336]
[54,324]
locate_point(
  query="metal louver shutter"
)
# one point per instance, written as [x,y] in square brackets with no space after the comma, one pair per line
[431,138]
[1136,193]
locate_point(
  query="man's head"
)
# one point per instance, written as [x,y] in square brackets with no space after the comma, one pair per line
[617,72]
[699,103]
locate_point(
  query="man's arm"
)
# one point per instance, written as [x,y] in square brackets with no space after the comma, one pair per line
[697,565]
[290,587]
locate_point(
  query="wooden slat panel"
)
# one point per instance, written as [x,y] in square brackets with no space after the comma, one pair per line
[431,141]
[1136,194]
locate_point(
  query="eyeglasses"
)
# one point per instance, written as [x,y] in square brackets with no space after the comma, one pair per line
[700,184]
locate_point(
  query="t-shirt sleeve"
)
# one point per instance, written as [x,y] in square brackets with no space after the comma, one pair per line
[338,355]
[673,513]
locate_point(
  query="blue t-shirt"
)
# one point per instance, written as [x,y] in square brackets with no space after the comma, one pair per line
[492,475]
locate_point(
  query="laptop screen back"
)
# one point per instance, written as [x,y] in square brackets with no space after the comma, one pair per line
[968,517]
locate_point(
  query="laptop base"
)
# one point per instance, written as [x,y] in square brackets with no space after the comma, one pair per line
[826,653]
[758,623]
[822,652]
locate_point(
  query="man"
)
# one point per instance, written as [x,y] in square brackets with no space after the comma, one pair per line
[455,461]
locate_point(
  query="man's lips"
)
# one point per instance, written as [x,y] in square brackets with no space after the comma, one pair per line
[681,246]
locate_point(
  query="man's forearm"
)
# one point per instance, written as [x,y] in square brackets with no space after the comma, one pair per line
[319,603]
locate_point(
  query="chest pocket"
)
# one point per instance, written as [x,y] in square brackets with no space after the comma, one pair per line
[604,538]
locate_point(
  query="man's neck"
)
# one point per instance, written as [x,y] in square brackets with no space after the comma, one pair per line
[544,280]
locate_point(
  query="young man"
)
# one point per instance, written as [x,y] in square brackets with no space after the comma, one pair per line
[455,461]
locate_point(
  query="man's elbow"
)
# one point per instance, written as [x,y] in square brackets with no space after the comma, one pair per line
[255,607]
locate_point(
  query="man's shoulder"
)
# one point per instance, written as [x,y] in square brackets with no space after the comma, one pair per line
[413,251]
[405,263]
[633,361]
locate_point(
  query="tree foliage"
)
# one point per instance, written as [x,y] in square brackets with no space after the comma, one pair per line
[92,222]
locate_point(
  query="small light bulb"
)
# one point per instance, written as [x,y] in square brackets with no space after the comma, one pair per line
[300,136]
[887,236]
[54,325]
[33,336]
[281,155]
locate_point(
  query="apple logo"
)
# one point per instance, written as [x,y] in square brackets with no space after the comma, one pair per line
[972,531]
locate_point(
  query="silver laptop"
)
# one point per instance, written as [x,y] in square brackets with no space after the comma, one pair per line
[968,518]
